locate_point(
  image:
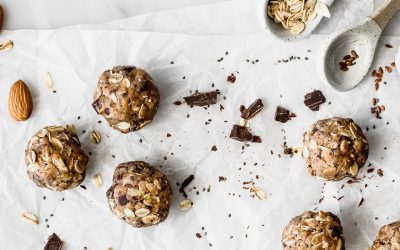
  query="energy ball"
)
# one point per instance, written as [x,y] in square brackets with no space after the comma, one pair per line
[140,194]
[388,237]
[314,230]
[127,97]
[334,148]
[54,158]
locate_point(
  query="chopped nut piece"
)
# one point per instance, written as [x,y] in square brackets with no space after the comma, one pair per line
[259,193]
[30,218]
[95,137]
[48,80]
[6,45]
[185,205]
[97,180]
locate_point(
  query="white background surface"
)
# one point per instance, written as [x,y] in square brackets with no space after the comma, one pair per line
[49,14]
[75,57]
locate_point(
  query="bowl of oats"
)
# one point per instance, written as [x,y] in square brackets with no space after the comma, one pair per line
[291,20]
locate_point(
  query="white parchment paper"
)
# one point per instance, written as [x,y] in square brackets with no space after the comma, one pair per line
[230,217]
[234,17]
[76,58]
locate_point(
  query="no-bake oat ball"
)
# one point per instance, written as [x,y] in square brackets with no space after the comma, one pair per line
[334,148]
[54,158]
[140,194]
[127,97]
[313,230]
[388,237]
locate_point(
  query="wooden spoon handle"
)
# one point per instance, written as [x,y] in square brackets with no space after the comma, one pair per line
[386,12]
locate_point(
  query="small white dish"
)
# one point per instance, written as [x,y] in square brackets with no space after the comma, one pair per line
[363,39]
[277,30]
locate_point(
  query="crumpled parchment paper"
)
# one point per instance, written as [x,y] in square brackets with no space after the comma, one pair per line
[226,216]
[235,17]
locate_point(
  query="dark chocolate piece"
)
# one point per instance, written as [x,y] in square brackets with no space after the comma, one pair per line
[252,110]
[256,139]
[288,151]
[314,99]
[184,184]
[241,133]
[53,243]
[202,99]
[231,78]
[283,115]
[177,103]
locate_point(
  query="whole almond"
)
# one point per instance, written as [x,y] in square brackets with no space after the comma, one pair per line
[20,101]
[1,18]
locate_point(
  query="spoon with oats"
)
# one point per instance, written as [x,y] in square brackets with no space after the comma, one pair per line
[348,54]
[291,20]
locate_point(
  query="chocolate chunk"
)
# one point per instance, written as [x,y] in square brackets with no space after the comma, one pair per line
[202,99]
[314,99]
[53,243]
[231,78]
[252,110]
[214,148]
[241,133]
[177,103]
[256,139]
[186,183]
[288,151]
[122,200]
[283,115]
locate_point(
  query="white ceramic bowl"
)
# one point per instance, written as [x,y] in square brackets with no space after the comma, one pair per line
[277,30]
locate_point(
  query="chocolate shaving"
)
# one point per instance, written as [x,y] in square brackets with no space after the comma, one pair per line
[184,184]
[241,133]
[214,148]
[283,115]
[314,99]
[361,202]
[252,110]
[231,78]
[202,99]
[53,243]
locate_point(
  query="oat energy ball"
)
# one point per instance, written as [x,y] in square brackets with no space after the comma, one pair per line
[314,230]
[140,194]
[55,159]
[127,97]
[334,148]
[388,237]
